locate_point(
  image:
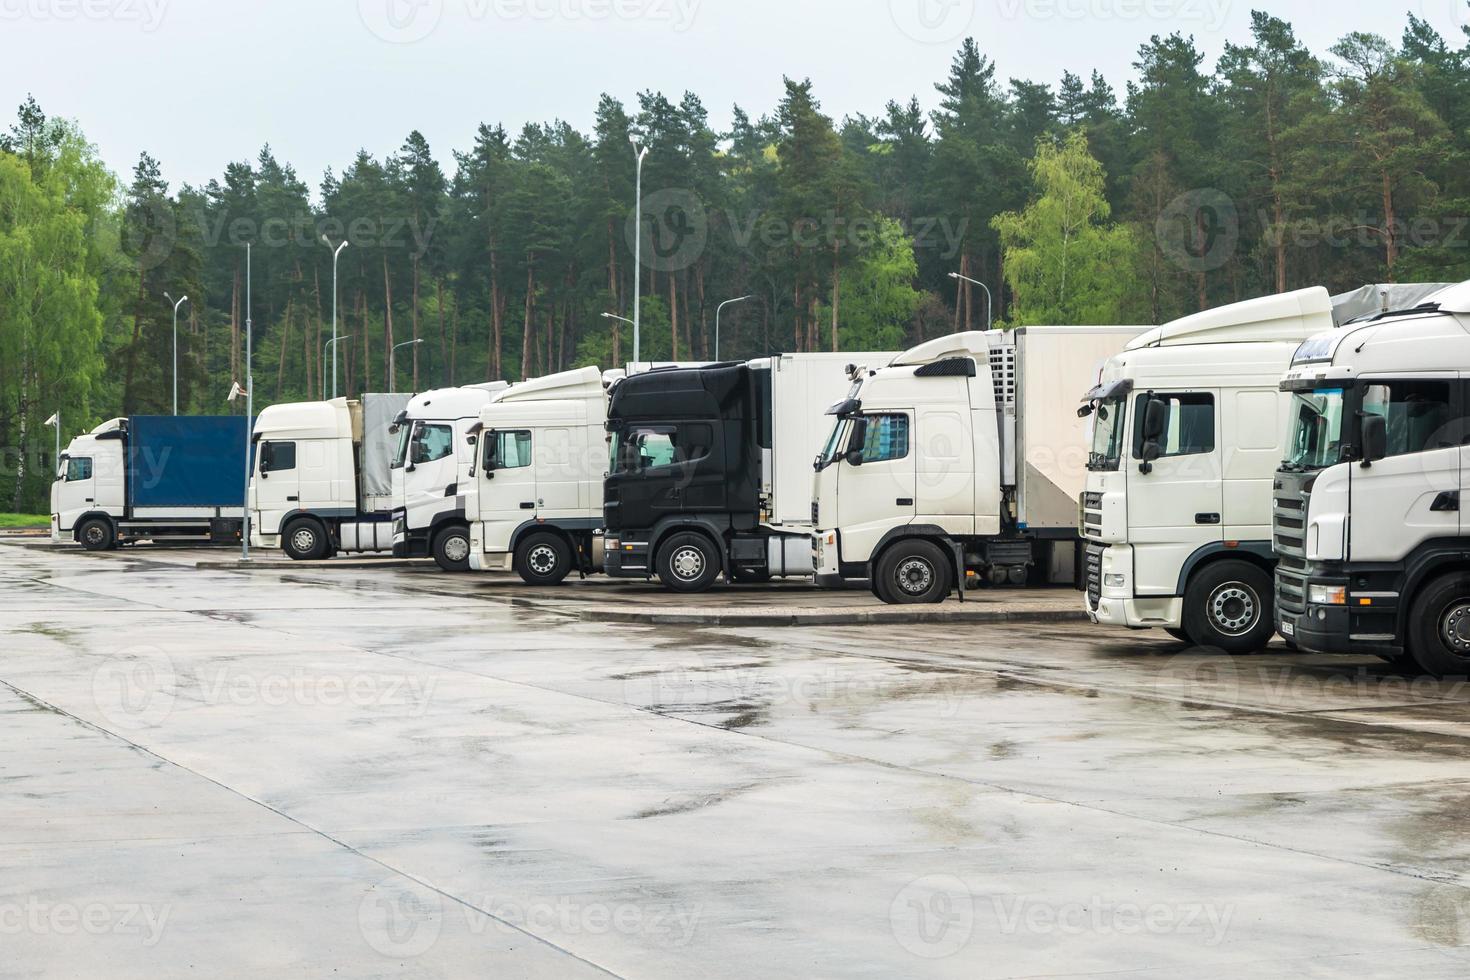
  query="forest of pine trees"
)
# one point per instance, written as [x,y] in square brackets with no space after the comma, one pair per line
[1192,186]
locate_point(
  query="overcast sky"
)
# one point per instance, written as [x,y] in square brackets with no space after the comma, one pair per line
[199,83]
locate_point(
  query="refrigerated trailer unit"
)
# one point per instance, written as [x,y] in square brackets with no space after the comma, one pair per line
[430,512]
[152,478]
[963,457]
[711,468]
[321,483]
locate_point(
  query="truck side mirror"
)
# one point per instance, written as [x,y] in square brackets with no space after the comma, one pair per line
[1155,421]
[1375,438]
[492,453]
[856,440]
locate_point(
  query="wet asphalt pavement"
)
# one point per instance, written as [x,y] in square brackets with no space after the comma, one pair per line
[391,772]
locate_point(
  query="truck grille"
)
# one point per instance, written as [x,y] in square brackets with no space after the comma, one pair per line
[1290,542]
[1093,573]
[1092,518]
[816,514]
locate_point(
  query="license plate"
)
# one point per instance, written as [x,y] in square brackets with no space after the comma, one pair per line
[1288,628]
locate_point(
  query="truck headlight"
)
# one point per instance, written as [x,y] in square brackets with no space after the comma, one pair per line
[1115,581]
[1327,595]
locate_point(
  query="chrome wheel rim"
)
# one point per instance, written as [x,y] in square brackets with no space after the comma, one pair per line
[915,576]
[687,563]
[303,540]
[1234,608]
[1454,627]
[457,549]
[542,559]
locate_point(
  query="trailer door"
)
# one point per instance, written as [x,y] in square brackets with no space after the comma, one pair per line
[1177,506]
[877,494]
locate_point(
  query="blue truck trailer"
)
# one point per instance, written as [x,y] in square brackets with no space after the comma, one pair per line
[155,478]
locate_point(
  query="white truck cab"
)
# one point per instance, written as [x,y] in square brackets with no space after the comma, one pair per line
[89,485]
[961,457]
[321,484]
[1187,432]
[1374,543]
[430,512]
[536,465]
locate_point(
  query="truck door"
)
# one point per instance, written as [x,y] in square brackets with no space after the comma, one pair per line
[507,485]
[75,490]
[431,469]
[875,482]
[1400,501]
[277,484]
[659,470]
[556,474]
[1178,505]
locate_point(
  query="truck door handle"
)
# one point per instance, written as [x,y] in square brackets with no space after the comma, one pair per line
[528,506]
[294,499]
[905,501]
[1207,518]
[90,500]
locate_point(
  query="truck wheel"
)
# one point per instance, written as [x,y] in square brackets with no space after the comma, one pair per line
[688,562]
[97,534]
[1439,626]
[452,549]
[305,541]
[543,559]
[913,572]
[1229,606]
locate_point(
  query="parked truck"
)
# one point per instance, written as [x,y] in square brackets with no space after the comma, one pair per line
[710,470]
[430,513]
[1189,423]
[159,478]
[1373,544]
[322,479]
[959,459]
[536,503]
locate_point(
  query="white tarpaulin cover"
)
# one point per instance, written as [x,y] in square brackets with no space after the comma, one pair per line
[1368,300]
[378,444]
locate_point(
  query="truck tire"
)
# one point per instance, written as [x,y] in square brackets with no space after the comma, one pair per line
[305,540]
[1439,626]
[543,559]
[913,572]
[688,562]
[1230,606]
[452,548]
[97,534]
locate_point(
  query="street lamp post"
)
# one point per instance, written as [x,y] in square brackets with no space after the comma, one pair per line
[642,152]
[623,319]
[989,307]
[720,309]
[249,405]
[181,302]
[331,345]
[337,252]
[393,362]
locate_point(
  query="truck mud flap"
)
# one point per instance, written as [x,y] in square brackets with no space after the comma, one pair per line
[961,579]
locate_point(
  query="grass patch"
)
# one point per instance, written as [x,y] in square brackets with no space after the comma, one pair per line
[12,521]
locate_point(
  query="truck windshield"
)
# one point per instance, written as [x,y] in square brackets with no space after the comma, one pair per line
[1107,434]
[833,447]
[1316,429]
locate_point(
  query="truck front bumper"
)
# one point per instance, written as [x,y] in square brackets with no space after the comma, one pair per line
[1138,614]
[627,557]
[832,571]
[1365,623]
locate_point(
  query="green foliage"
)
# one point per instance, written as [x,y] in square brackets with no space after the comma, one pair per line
[24,521]
[879,300]
[1062,255]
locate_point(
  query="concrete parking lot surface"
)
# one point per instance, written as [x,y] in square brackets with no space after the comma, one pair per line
[392,772]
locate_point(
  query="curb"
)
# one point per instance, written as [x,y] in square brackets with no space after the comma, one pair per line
[856,617]
[277,566]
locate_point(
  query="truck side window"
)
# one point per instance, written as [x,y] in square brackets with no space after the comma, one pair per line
[78,469]
[508,451]
[1189,429]
[1418,413]
[888,438]
[278,457]
[432,442]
